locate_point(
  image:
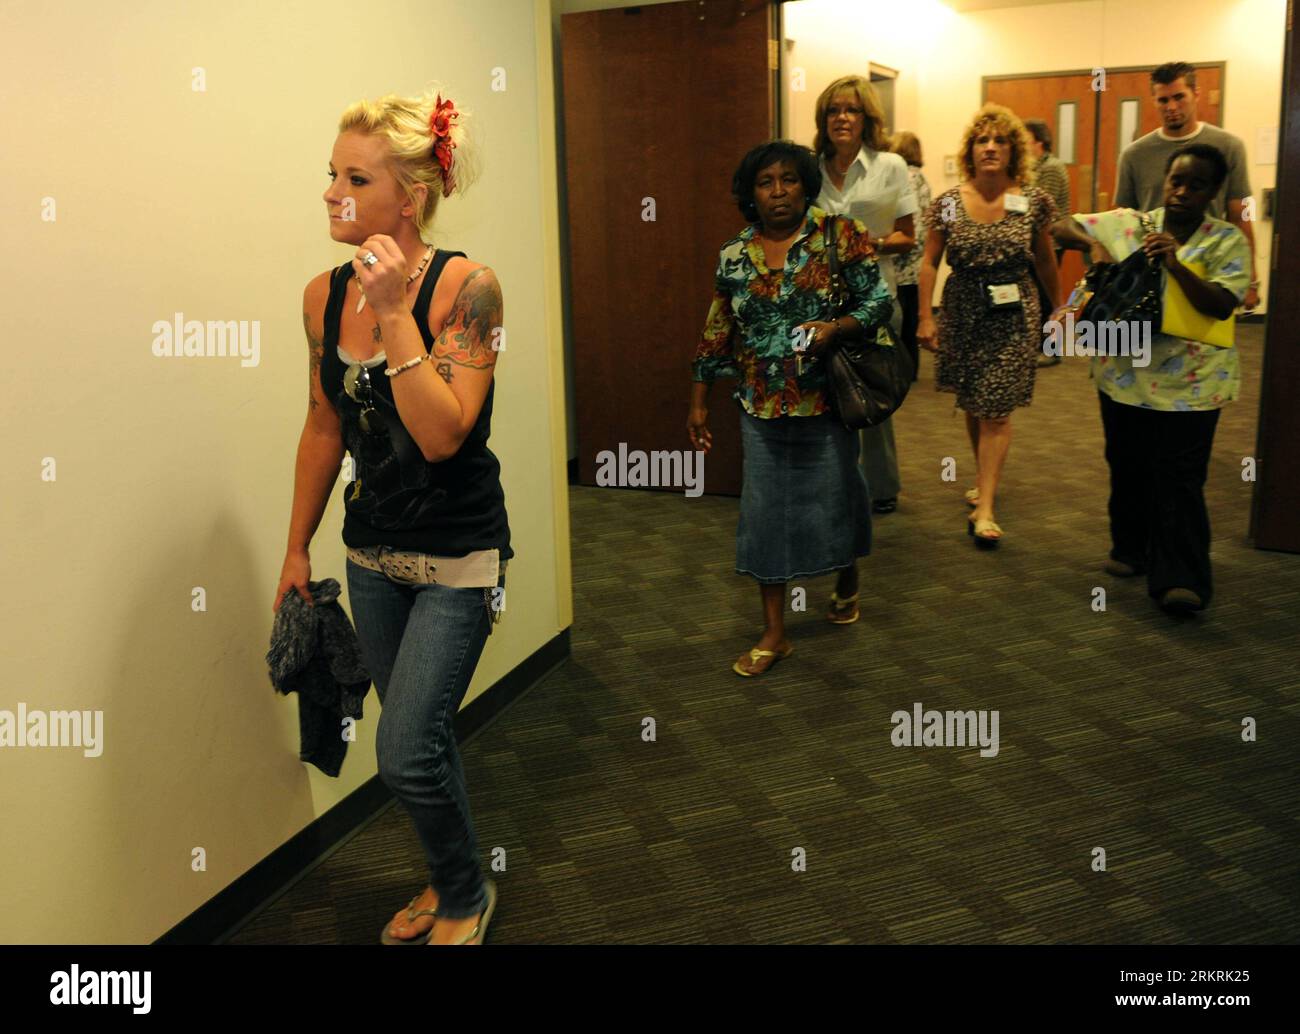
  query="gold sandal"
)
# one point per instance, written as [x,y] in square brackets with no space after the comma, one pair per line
[755,655]
[479,934]
[411,916]
[838,615]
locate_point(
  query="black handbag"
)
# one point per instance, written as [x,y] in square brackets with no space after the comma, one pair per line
[869,376]
[1125,291]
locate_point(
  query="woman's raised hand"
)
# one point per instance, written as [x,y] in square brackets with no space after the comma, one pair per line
[1162,246]
[384,282]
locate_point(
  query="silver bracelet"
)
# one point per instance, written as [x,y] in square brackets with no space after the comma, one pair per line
[406,365]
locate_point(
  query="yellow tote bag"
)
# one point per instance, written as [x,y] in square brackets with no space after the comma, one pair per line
[1181,318]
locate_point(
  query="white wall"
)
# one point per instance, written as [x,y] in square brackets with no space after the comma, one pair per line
[826,39]
[176,473]
[942,55]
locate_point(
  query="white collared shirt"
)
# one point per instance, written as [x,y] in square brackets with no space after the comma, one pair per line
[877,191]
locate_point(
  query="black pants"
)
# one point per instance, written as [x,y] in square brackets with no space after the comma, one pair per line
[1158,520]
[909,302]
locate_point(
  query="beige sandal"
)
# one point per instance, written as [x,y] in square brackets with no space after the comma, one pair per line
[754,656]
[839,614]
[981,528]
[411,916]
[972,497]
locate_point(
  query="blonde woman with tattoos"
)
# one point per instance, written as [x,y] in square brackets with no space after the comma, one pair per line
[403,348]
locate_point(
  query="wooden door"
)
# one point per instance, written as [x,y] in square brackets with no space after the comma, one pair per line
[1041,96]
[1135,85]
[660,104]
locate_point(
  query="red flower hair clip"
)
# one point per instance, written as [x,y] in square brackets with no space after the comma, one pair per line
[440,123]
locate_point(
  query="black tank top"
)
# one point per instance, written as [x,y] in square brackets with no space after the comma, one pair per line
[397,498]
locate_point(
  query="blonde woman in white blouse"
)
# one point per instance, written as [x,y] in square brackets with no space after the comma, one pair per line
[864,180]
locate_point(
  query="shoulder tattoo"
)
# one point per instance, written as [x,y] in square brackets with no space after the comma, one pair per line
[471,330]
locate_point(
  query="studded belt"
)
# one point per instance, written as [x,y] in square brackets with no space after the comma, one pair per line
[478,570]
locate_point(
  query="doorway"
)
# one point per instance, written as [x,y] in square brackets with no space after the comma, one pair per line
[1093,116]
[882,79]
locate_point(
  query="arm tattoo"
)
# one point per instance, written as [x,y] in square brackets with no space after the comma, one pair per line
[467,337]
[377,334]
[444,371]
[316,352]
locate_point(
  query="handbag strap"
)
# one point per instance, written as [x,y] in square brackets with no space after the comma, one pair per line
[1149,226]
[832,249]
[839,294]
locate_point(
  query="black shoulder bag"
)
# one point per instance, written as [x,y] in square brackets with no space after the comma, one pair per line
[868,376]
[1125,291]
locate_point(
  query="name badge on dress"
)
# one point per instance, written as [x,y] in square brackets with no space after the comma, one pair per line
[1002,296]
[1015,202]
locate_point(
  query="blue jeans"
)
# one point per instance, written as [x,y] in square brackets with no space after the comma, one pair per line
[421,644]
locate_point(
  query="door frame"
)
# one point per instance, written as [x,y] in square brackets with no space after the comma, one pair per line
[1273,523]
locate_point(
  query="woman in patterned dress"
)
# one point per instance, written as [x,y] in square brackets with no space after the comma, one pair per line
[994,227]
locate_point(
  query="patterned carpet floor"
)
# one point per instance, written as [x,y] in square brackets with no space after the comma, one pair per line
[777,809]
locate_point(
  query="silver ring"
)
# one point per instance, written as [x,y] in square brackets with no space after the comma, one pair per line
[370,259]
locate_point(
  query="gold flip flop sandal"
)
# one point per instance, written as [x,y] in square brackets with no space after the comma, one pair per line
[479,933]
[411,916]
[755,655]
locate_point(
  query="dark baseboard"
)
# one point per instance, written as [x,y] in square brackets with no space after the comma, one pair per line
[224,915]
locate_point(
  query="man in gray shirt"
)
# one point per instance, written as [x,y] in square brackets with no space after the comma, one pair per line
[1142,164]
[1051,175]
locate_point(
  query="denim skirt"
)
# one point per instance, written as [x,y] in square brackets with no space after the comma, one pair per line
[804,508]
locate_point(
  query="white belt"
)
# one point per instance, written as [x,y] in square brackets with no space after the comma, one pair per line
[478,570]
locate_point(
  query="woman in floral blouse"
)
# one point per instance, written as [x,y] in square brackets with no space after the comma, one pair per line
[1159,418]
[803,508]
[908,264]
